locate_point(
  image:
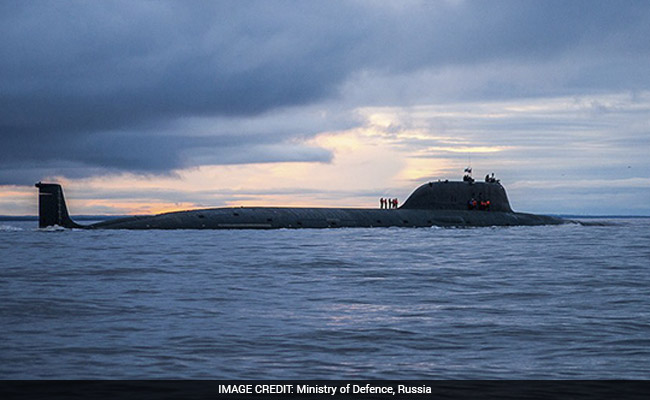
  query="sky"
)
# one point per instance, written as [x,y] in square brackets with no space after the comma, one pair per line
[141,107]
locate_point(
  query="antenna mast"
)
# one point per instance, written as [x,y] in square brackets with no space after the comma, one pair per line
[468,171]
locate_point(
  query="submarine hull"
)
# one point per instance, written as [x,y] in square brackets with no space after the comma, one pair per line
[275,218]
[433,204]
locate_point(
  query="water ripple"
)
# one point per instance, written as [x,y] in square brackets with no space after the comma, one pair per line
[567,302]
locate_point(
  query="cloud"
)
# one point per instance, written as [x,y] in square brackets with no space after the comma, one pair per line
[93,84]
[582,155]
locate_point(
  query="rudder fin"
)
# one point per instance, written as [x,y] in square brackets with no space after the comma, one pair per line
[51,207]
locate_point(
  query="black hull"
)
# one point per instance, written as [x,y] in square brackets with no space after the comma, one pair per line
[293,218]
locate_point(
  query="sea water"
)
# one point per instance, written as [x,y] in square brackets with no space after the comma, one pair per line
[569,301]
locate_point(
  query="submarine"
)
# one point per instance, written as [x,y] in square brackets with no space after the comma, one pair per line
[443,203]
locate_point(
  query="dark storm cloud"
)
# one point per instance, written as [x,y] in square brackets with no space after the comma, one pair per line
[99,85]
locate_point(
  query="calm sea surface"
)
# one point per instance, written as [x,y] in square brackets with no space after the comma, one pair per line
[566,301]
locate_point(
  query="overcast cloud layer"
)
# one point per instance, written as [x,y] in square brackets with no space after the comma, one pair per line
[89,87]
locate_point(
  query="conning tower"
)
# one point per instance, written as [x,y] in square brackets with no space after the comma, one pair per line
[445,195]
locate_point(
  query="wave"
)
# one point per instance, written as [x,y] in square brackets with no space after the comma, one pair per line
[53,228]
[10,228]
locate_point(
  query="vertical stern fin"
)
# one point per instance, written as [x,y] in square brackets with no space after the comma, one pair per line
[51,207]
